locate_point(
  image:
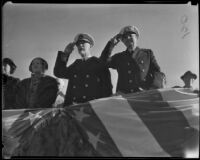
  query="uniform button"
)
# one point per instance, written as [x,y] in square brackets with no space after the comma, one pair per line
[144,79]
[142,70]
[142,61]
[84,97]
[98,80]
[75,75]
[128,64]
[74,87]
[132,90]
[86,85]
[74,98]
[130,81]
[129,72]
[87,76]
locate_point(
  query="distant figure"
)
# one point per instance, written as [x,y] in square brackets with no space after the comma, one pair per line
[135,66]
[9,84]
[88,77]
[188,79]
[159,81]
[60,95]
[38,91]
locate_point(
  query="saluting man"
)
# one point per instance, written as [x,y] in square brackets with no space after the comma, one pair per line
[135,66]
[84,75]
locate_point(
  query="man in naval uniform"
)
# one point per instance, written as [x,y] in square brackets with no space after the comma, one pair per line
[88,77]
[135,66]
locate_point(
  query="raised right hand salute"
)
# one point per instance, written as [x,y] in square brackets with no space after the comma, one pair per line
[135,66]
[69,48]
[115,40]
[84,75]
[67,51]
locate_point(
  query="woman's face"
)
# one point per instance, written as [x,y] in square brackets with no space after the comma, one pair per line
[6,69]
[37,66]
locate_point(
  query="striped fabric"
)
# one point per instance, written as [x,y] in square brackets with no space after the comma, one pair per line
[155,123]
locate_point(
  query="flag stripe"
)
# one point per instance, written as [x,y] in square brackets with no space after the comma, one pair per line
[156,123]
[176,94]
[167,124]
[127,130]
[9,113]
[188,104]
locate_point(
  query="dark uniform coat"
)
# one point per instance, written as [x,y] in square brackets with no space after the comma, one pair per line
[133,72]
[46,93]
[9,91]
[86,79]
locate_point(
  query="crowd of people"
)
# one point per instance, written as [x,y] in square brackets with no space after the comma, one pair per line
[89,77]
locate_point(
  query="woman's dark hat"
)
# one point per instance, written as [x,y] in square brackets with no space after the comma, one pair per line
[44,62]
[11,63]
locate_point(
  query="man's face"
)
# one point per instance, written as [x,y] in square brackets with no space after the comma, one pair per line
[37,66]
[129,39]
[6,69]
[83,47]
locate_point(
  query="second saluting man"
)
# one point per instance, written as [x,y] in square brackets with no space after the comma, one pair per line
[136,66]
[88,77]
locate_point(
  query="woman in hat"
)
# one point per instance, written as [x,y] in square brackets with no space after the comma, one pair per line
[38,91]
[135,66]
[88,77]
[9,83]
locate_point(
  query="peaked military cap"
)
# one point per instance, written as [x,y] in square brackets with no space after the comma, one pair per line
[84,37]
[129,29]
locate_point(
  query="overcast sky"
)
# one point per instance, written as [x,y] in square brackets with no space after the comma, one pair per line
[171,31]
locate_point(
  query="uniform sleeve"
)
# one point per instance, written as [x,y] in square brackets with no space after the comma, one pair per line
[106,83]
[106,52]
[106,56]
[154,67]
[60,69]
[112,61]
